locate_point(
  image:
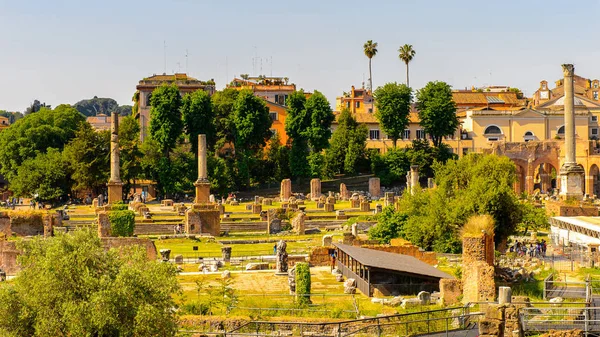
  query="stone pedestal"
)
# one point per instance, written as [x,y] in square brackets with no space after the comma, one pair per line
[374,187]
[202,192]
[256,208]
[315,189]
[365,206]
[354,203]
[571,182]
[115,192]
[414,178]
[329,207]
[267,202]
[378,208]
[327,240]
[504,295]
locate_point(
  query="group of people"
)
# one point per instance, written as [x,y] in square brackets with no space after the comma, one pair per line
[533,250]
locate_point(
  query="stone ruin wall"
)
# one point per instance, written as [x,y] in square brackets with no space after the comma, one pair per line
[414,251]
[120,242]
[8,257]
[554,208]
[478,268]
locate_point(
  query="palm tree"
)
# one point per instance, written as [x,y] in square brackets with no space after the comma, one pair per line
[370,48]
[406,54]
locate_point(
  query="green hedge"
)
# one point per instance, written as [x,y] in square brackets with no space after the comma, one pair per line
[119,206]
[303,283]
[122,223]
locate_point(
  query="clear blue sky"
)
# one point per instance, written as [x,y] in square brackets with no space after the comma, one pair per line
[62,51]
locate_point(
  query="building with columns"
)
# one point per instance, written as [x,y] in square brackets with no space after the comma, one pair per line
[185,83]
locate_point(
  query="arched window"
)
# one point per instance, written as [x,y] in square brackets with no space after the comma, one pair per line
[493,130]
[148,99]
[561,130]
[529,136]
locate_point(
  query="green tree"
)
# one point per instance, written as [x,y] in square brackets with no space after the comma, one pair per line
[71,286]
[34,134]
[88,158]
[370,50]
[389,225]
[406,53]
[534,218]
[347,145]
[278,160]
[297,123]
[96,106]
[130,152]
[393,109]
[437,111]
[223,103]
[166,125]
[198,118]
[321,116]
[45,175]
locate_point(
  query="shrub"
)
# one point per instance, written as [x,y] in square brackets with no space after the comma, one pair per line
[119,206]
[122,223]
[303,283]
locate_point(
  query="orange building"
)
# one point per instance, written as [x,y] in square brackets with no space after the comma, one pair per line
[278,114]
[357,101]
[4,122]
[272,89]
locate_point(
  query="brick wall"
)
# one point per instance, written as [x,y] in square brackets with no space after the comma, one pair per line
[410,250]
[8,257]
[117,243]
[558,208]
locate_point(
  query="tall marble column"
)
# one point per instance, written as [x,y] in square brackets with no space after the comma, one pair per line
[202,184]
[115,186]
[414,179]
[571,175]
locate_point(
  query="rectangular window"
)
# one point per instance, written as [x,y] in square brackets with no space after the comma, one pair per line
[595,95]
[357,104]
[594,118]
[273,115]
[594,131]
[285,99]
[406,134]
[348,104]
[492,139]
[420,134]
[373,134]
[370,110]
[277,99]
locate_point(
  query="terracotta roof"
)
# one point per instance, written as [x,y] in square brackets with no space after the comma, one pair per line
[391,261]
[469,98]
[366,118]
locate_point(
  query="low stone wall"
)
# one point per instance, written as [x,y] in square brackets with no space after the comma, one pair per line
[26,223]
[450,291]
[558,208]
[118,243]
[478,282]
[319,256]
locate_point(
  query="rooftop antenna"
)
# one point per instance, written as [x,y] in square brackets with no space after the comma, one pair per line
[226,70]
[261,66]
[179,67]
[271,66]
[165,55]
[186,62]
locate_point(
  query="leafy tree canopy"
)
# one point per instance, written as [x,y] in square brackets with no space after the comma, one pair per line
[166,125]
[198,118]
[437,111]
[71,286]
[347,145]
[393,109]
[34,134]
[96,106]
[251,120]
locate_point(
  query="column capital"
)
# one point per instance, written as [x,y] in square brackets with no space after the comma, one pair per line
[568,69]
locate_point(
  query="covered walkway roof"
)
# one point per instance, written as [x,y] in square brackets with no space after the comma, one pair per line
[391,261]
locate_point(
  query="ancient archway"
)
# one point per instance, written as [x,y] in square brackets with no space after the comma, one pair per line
[519,186]
[545,176]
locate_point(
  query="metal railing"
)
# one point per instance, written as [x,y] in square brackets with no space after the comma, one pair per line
[432,321]
[560,317]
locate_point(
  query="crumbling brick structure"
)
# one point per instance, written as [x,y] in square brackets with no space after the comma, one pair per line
[203,222]
[478,268]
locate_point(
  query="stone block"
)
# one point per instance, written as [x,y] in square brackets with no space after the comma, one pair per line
[179,259]
[257,266]
[344,193]
[450,291]
[365,206]
[249,207]
[329,207]
[327,240]
[489,326]
[320,205]
[256,208]
[298,223]
[267,202]
[286,189]
[315,189]
[5,227]
[103,225]
[166,203]
[354,203]
[374,187]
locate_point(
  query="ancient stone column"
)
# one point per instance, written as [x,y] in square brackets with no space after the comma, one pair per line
[571,175]
[344,195]
[115,186]
[374,187]
[315,189]
[286,189]
[414,178]
[202,184]
[504,295]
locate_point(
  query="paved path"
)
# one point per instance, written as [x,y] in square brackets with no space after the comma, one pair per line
[473,332]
